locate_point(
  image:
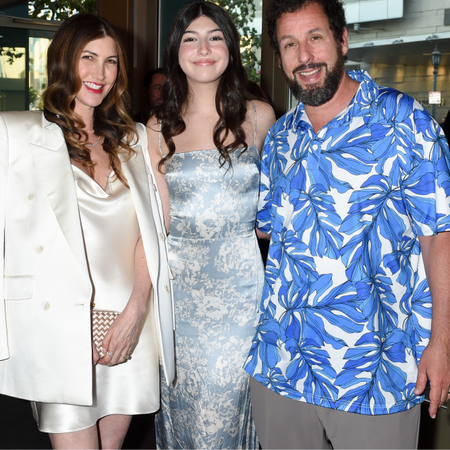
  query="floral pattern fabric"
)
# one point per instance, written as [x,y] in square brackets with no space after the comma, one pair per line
[219,277]
[346,308]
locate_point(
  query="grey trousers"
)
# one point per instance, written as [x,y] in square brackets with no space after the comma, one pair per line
[283,423]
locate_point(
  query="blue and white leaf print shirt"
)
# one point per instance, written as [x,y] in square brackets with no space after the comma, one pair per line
[346,308]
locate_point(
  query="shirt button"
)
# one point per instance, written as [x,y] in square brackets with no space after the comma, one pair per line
[38,249]
[31,196]
[154,187]
[46,306]
[167,288]
[314,146]
[162,236]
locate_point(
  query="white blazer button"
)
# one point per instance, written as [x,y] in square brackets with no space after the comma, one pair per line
[162,236]
[31,197]
[39,249]
[46,305]
[167,288]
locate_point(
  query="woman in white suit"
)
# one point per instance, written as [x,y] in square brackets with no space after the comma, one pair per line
[82,229]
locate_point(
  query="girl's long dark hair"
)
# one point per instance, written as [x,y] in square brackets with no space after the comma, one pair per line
[111,118]
[231,95]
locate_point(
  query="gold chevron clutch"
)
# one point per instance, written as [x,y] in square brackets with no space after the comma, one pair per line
[102,319]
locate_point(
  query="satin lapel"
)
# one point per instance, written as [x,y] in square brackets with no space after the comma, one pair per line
[53,164]
[136,175]
[143,190]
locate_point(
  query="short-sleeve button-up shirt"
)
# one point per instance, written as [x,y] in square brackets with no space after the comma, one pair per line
[346,308]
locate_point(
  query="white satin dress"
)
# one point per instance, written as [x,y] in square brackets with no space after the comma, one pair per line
[110,230]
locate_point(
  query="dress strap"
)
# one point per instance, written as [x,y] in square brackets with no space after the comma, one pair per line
[159,138]
[254,110]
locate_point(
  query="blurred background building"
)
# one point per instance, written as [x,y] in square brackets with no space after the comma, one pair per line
[394,40]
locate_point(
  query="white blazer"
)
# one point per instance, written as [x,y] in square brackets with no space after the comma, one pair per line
[45,324]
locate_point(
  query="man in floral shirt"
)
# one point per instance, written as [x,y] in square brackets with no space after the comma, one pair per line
[355,194]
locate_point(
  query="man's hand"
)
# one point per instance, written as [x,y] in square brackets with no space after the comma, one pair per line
[435,361]
[434,366]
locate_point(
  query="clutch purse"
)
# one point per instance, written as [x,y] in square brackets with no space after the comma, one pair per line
[102,319]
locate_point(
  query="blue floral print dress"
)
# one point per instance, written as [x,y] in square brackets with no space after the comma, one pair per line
[219,276]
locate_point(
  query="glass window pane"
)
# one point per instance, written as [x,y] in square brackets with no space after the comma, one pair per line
[13,60]
[37,71]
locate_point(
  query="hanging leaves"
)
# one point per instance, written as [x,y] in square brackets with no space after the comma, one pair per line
[60,9]
[242,12]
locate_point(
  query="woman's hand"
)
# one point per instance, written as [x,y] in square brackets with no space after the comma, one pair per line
[95,355]
[124,332]
[122,336]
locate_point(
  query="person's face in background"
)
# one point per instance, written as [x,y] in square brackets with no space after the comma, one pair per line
[154,90]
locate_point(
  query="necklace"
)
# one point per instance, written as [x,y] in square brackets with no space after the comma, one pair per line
[93,145]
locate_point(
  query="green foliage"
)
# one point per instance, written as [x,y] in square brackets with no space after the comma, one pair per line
[11,53]
[35,98]
[60,9]
[242,12]
[33,95]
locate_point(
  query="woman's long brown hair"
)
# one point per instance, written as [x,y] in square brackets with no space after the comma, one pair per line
[231,95]
[111,119]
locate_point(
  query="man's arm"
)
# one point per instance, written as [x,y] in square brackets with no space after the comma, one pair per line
[434,364]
